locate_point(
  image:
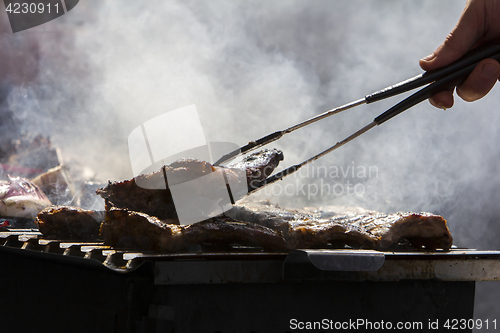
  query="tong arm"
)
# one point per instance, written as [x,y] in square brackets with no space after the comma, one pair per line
[447,82]
[471,58]
[442,79]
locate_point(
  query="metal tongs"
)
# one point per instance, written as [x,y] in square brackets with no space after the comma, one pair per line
[438,80]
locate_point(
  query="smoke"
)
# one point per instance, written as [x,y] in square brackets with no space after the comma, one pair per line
[254,67]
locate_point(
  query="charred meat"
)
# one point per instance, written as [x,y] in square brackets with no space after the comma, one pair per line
[259,166]
[127,229]
[368,229]
[217,231]
[320,234]
[69,223]
[123,228]
[266,227]
[150,193]
[127,194]
[419,229]
[304,230]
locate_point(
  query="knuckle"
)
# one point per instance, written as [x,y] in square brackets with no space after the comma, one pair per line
[452,42]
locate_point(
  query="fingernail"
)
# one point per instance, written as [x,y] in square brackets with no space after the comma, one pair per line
[490,70]
[429,57]
[441,106]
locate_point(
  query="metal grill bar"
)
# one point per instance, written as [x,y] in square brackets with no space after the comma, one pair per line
[454,265]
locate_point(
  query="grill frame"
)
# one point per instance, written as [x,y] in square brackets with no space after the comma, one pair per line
[219,266]
[96,288]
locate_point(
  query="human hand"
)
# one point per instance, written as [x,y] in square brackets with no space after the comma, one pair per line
[478,24]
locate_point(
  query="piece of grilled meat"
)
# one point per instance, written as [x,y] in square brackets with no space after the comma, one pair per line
[150,193]
[259,165]
[303,230]
[69,223]
[123,228]
[419,229]
[217,231]
[367,229]
[264,226]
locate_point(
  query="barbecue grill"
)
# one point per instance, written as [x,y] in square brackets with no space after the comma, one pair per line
[62,285]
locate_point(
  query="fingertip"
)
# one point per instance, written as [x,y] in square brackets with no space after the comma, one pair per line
[426,62]
[442,100]
[429,57]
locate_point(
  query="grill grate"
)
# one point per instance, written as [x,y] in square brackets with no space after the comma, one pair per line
[454,265]
[163,295]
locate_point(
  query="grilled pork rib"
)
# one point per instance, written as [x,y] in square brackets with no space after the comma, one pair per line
[140,214]
[150,193]
[368,229]
[265,226]
[127,229]
[419,229]
[69,223]
[303,230]
[258,166]
[133,230]
[224,232]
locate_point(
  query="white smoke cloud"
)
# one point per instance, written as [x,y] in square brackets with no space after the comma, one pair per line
[254,67]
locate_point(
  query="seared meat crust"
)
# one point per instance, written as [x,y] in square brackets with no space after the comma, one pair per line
[419,229]
[217,231]
[259,165]
[69,223]
[133,230]
[265,226]
[368,229]
[150,193]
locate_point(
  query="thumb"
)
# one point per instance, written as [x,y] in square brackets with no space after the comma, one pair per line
[460,40]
